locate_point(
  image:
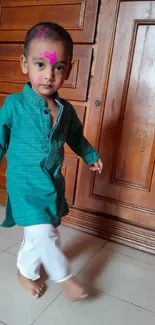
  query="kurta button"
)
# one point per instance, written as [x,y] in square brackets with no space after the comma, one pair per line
[49,136]
[46,111]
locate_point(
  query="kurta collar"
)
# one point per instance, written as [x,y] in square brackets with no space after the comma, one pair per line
[34,98]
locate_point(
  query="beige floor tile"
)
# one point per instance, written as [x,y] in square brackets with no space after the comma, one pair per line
[104,309]
[134,253]
[122,277]
[16,306]
[78,246]
[15,248]
[2,212]
[9,237]
[124,273]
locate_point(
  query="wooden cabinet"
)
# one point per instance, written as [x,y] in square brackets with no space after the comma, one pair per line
[12,79]
[78,16]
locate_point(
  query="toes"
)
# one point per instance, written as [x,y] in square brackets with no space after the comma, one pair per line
[35,295]
[84,295]
[38,293]
[41,289]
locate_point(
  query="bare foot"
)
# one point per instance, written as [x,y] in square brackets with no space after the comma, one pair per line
[35,288]
[74,290]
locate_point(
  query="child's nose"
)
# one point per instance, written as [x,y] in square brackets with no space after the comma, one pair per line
[49,74]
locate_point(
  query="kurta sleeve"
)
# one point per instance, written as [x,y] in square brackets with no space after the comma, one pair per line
[77,142]
[4,129]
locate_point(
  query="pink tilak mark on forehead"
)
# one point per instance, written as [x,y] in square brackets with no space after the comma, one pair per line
[52,57]
[42,32]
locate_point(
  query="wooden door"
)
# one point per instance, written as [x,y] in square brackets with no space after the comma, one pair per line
[17,16]
[123,126]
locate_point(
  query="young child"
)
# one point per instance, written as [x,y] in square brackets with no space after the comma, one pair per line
[34,125]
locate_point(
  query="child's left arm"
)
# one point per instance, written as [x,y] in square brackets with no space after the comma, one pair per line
[80,145]
[4,129]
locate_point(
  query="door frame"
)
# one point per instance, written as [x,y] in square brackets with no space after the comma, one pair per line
[102,224]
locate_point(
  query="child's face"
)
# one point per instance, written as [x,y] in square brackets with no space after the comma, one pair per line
[48,65]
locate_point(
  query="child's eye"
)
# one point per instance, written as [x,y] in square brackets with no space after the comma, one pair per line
[59,68]
[40,64]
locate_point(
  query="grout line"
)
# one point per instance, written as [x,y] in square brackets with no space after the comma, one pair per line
[12,245]
[101,291]
[89,261]
[74,277]
[111,250]
[126,301]
[105,243]
[15,255]
[46,307]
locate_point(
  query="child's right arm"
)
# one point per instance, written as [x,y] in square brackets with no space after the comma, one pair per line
[4,130]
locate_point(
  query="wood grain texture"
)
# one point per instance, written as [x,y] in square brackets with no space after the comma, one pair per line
[69,172]
[18,16]
[12,79]
[124,124]
[111,228]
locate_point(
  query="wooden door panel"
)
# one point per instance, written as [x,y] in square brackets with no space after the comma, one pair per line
[2,98]
[23,16]
[130,107]
[12,79]
[2,174]
[69,172]
[76,87]
[18,16]
[127,187]
[3,166]
[81,111]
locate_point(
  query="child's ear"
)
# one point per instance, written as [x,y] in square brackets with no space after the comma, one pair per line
[24,66]
[69,71]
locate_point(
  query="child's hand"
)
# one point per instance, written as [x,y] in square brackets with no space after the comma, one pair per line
[98,166]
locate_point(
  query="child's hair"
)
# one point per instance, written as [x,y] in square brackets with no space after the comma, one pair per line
[48,30]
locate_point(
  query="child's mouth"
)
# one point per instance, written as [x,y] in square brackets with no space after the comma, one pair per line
[47,86]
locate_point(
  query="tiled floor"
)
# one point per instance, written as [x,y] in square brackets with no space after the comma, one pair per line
[121,280]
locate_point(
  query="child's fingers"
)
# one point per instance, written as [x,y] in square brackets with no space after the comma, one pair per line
[100,163]
[95,168]
[98,166]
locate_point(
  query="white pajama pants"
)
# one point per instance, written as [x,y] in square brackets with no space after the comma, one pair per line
[41,246]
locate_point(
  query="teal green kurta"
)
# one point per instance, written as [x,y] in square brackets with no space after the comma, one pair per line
[35,153]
